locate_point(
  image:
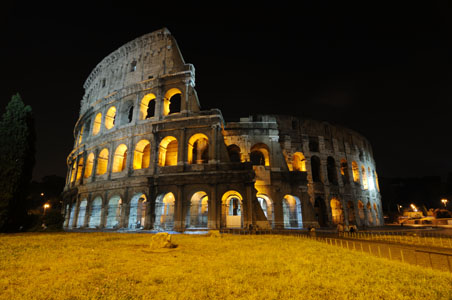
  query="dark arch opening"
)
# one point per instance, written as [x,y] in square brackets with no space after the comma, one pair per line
[175,103]
[315,168]
[234,153]
[257,158]
[151,109]
[320,211]
[130,116]
[331,169]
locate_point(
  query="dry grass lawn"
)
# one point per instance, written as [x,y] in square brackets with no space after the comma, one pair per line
[122,266]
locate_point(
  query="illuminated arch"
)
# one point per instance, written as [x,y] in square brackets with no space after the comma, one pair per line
[260,155]
[89,165]
[197,212]
[102,162]
[344,171]
[376,181]
[299,162]
[73,171]
[361,211]
[267,206]
[147,107]
[110,117]
[142,155]
[232,209]
[370,219]
[79,168]
[365,182]
[97,123]
[198,149]
[81,213]
[164,211]
[95,213]
[114,212]
[351,212]
[355,171]
[120,159]
[168,151]
[137,211]
[167,101]
[336,211]
[292,212]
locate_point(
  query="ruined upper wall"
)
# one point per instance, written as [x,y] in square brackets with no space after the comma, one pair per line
[149,57]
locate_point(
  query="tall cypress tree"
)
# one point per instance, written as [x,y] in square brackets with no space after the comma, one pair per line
[17,158]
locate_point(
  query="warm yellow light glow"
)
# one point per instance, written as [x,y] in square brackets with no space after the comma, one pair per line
[365,182]
[120,158]
[201,141]
[46,205]
[73,172]
[80,136]
[97,123]
[144,105]
[444,201]
[79,168]
[299,162]
[168,151]
[110,117]
[376,181]
[89,165]
[166,100]
[102,162]
[355,170]
[142,154]
[336,211]
[42,194]
[413,207]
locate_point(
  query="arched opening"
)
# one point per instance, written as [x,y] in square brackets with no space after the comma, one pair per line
[79,168]
[130,114]
[351,213]
[198,149]
[73,171]
[331,170]
[80,135]
[172,101]
[320,211]
[96,213]
[361,212]
[137,212]
[365,183]
[72,215]
[355,171]
[102,162]
[299,162]
[142,155]
[292,212]
[370,180]
[113,212]
[377,219]
[89,165]
[81,213]
[344,171]
[232,209]
[198,210]
[370,218]
[168,152]
[315,169]
[376,181]
[147,107]
[234,153]
[336,211]
[164,212]
[110,118]
[97,123]
[260,155]
[120,159]
[267,207]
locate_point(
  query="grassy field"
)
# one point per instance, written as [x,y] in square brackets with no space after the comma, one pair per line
[122,266]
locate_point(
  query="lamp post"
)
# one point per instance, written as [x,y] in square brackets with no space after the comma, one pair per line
[444,201]
[45,207]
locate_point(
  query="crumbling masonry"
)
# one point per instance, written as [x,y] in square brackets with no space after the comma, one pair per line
[147,157]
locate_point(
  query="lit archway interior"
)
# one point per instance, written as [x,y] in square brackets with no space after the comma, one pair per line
[120,159]
[142,155]
[95,213]
[81,213]
[170,105]
[147,107]
[137,212]
[168,151]
[336,211]
[299,162]
[232,209]
[113,212]
[292,212]
[102,162]
[164,212]
[110,118]
[197,213]
[198,149]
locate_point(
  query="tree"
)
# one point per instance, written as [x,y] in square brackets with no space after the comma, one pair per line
[17,158]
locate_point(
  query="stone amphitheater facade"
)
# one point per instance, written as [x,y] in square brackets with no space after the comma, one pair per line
[146,157]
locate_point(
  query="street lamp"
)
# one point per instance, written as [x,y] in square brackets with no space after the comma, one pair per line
[45,207]
[444,201]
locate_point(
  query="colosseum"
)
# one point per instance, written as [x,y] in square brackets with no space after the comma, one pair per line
[146,157]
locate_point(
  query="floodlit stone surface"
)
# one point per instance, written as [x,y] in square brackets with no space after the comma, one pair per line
[161,240]
[147,157]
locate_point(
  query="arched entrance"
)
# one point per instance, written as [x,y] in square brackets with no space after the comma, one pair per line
[81,213]
[292,212]
[137,212]
[71,216]
[232,209]
[267,207]
[197,212]
[96,212]
[370,219]
[164,212]
[337,213]
[113,212]
[351,213]
[320,211]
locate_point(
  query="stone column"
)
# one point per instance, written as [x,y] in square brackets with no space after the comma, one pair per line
[213,216]
[181,148]
[178,213]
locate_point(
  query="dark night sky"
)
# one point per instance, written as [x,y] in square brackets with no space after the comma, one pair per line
[381,69]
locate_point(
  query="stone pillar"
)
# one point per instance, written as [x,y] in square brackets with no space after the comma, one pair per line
[213,151]
[178,212]
[158,114]
[213,216]
[182,148]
